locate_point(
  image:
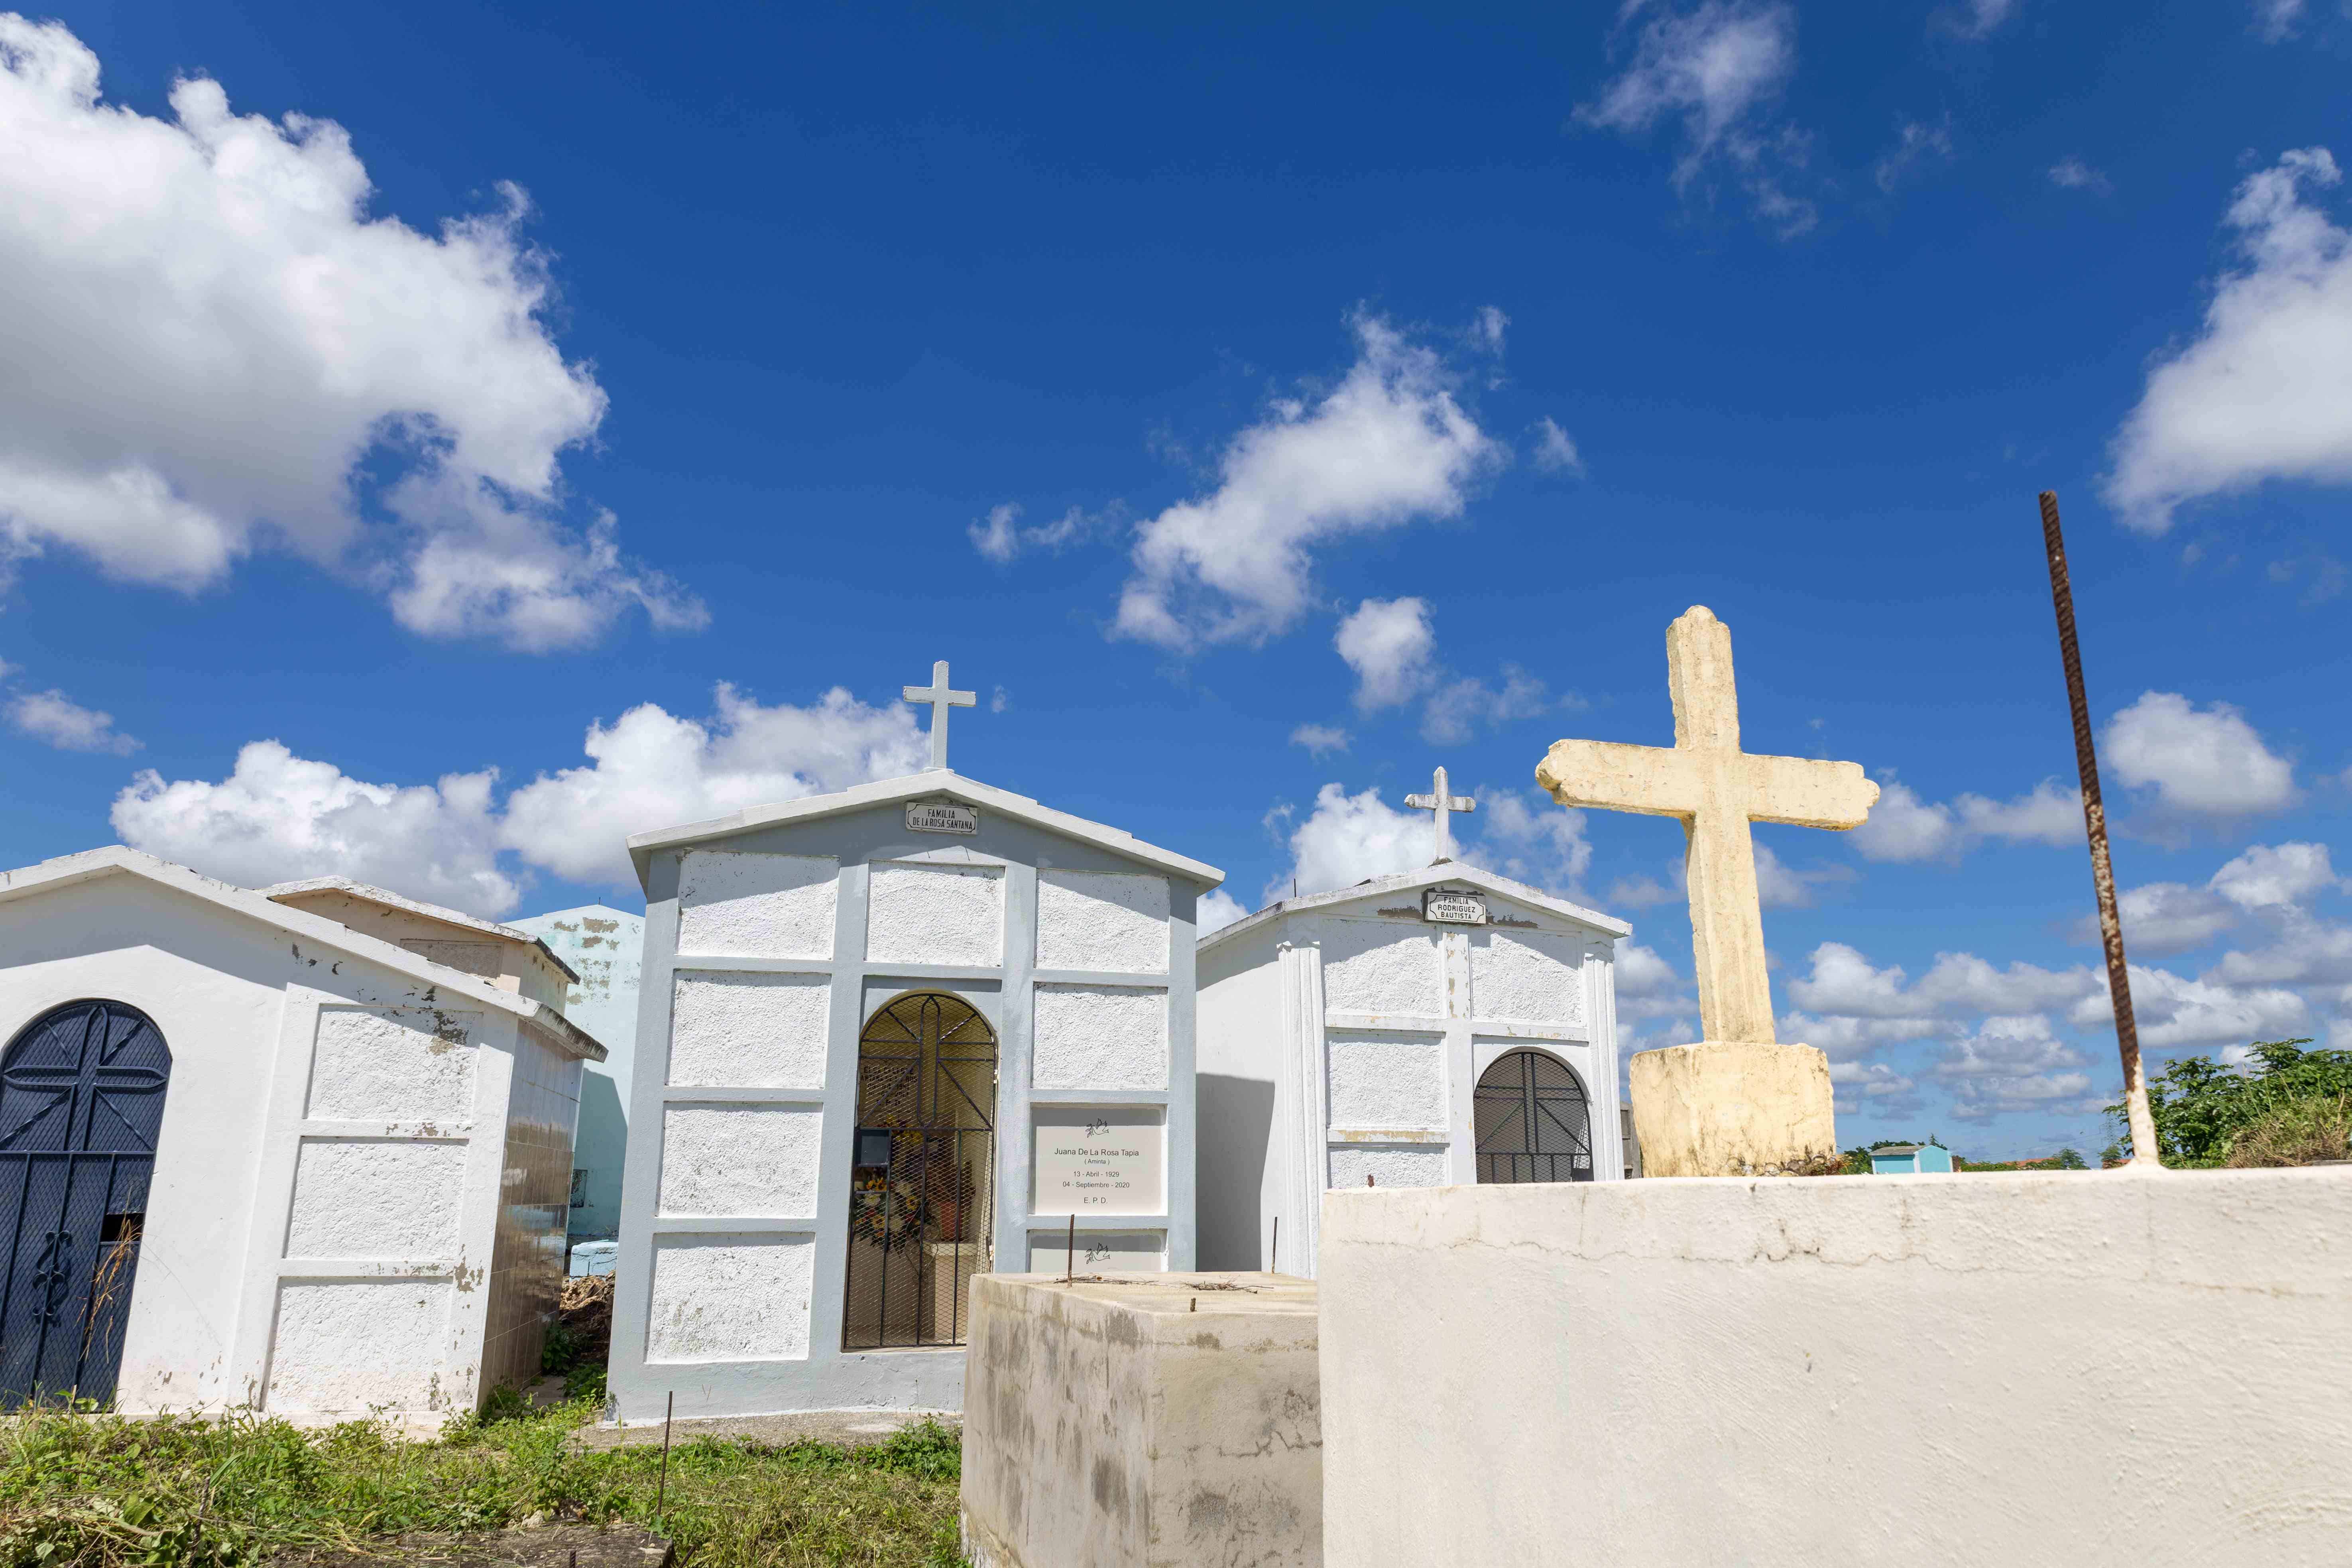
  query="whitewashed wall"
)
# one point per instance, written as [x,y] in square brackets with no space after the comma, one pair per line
[319,1186]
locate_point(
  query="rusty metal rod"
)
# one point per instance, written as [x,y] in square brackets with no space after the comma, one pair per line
[2094,822]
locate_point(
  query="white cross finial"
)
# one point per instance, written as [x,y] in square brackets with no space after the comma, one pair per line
[1442,806]
[1717,790]
[941,699]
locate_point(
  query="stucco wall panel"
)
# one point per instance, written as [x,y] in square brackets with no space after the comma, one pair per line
[1379,966]
[744,1161]
[740,904]
[766,1031]
[392,1064]
[1420,1165]
[369,1197]
[1383,1080]
[1102,920]
[730,1298]
[350,1346]
[935,914]
[1532,976]
[1100,1037]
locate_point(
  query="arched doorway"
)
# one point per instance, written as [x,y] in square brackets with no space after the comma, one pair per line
[81,1098]
[923,1183]
[1533,1120]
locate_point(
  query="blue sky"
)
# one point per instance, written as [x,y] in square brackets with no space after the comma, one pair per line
[573,421]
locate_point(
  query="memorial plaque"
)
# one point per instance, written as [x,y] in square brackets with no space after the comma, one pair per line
[1443,906]
[1092,1161]
[941,817]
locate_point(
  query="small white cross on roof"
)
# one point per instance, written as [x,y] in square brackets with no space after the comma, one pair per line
[941,699]
[1442,806]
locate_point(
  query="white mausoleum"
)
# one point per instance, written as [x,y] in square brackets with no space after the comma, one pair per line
[890,1038]
[303,1151]
[1435,1027]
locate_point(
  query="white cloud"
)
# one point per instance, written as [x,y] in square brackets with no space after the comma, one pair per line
[2275,19]
[1529,838]
[279,817]
[1902,827]
[1388,444]
[1486,328]
[1000,537]
[651,769]
[2208,763]
[1778,885]
[1390,646]
[1556,451]
[1716,69]
[1915,142]
[2161,917]
[2072,173]
[1219,909]
[2013,1062]
[1456,710]
[227,342]
[1844,984]
[2176,1012]
[1349,837]
[1320,740]
[1984,15]
[2266,392]
[54,718]
[2268,875]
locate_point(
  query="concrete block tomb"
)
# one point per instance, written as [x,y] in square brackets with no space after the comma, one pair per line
[1150,1422]
[891,1039]
[304,1149]
[1931,1370]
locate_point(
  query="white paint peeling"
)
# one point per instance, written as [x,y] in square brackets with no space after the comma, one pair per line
[1422,1166]
[1100,1037]
[1380,1081]
[766,1031]
[739,1161]
[1102,920]
[347,1346]
[373,1197]
[391,1064]
[730,1298]
[1379,966]
[935,914]
[1530,976]
[733,903]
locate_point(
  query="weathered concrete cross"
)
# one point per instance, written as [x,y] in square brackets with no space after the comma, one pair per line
[941,699]
[1717,790]
[1441,805]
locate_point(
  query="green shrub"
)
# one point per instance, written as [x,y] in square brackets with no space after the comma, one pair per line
[2299,1132]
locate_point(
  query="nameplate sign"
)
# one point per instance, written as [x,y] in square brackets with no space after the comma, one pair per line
[941,818]
[1090,1161]
[1441,906]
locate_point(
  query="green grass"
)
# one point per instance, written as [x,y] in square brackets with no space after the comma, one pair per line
[103,1491]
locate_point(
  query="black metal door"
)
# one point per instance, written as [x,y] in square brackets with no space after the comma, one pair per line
[1534,1122]
[81,1098]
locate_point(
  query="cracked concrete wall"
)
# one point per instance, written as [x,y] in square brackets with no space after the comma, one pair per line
[935,914]
[733,1298]
[749,1030]
[1148,1423]
[1102,920]
[374,1197]
[1527,976]
[742,904]
[1100,1037]
[394,1064]
[1941,1371]
[1373,966]
[345,1346]
[1384,1078]
[739,1161]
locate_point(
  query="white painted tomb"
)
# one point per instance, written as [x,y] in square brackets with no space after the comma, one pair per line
[1775,1373]
[604,948]
[1441,1026]
[890,1038]
[303,1151]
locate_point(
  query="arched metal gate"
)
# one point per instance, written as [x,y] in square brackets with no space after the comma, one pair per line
[1534,1122]
[81,1098]
[923,1193]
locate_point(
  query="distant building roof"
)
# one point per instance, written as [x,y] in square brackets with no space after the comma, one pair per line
[286,893]
[1896,1149]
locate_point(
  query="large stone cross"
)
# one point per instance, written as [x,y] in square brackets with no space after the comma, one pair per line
[1441,805]
[941,699]
[1717,790]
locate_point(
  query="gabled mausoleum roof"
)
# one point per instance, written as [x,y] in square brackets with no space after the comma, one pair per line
[938,784]
[284,893]
[119,861]
[1444,873]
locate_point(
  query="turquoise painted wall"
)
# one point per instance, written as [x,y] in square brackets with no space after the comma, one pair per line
[606,948]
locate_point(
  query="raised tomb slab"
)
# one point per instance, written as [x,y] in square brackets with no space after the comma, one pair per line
[1143,1420]
[1991,1368]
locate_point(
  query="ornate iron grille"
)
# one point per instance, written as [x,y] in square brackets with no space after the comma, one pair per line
[923,1177]
[1534,1122]
[81,1098]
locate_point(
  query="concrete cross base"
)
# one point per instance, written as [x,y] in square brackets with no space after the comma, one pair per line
[1142,1421]
[1731,1107]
